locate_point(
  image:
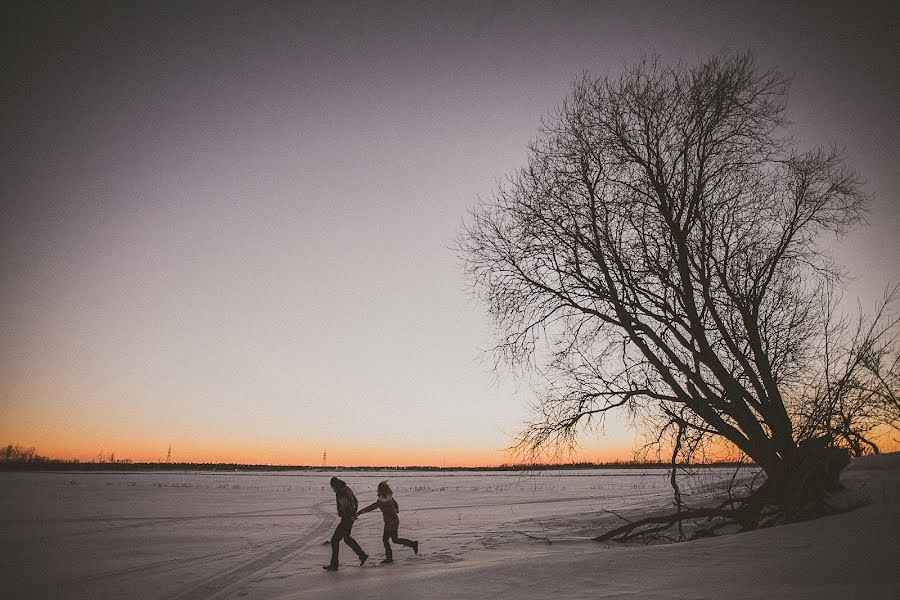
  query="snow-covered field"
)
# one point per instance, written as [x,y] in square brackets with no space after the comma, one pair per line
[260,535]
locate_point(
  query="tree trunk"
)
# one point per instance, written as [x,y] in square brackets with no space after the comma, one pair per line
[799,482]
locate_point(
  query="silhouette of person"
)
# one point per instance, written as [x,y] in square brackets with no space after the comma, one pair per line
[346,508]
[389,509]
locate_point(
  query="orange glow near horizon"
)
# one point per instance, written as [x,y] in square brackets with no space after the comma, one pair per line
[287,455]
[74,439]
[360,455]
[74,436]
[348,457]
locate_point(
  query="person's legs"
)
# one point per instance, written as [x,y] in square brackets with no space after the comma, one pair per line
[336,544]
[403,541]
[388,553]
[348,539]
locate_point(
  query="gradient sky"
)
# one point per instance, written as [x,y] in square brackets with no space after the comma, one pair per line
[224,227]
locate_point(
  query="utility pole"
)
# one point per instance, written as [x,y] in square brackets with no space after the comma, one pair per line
[324,458]
[169,455]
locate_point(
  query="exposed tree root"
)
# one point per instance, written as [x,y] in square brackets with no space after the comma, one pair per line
[758,510]
[661,523]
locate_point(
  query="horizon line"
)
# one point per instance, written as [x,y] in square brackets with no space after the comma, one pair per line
[126,464]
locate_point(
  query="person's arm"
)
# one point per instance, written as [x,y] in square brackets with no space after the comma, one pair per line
[396,506]
[370,507]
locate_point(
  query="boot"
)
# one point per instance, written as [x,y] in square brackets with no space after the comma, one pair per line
[331,567]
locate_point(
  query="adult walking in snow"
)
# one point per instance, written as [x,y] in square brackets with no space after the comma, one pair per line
[346,508]
[389,509]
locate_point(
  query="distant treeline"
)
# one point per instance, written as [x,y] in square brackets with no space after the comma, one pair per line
[16,458]
[13,453]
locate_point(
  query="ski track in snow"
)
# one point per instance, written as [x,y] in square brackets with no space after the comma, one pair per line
[221,582]
[129,523]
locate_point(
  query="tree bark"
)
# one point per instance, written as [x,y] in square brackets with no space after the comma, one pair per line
[799,482]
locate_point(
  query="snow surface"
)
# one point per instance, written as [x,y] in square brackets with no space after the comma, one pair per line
[264,535]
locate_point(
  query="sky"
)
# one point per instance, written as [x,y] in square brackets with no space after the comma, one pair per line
[226,228]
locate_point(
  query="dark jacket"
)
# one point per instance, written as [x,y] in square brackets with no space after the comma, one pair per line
[389,509]
[346,500]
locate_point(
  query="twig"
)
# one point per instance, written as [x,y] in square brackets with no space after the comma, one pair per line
[614,513]
[534,537]
[546,537]
[625,531]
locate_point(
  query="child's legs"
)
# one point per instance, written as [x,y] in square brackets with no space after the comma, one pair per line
[398,540]
[386,538]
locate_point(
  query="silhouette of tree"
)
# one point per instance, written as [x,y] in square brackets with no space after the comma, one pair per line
[14,453]
[662,253]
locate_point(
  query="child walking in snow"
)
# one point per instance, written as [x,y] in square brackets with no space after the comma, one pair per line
[389,509]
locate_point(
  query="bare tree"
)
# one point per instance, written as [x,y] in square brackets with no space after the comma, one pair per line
[661,253]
